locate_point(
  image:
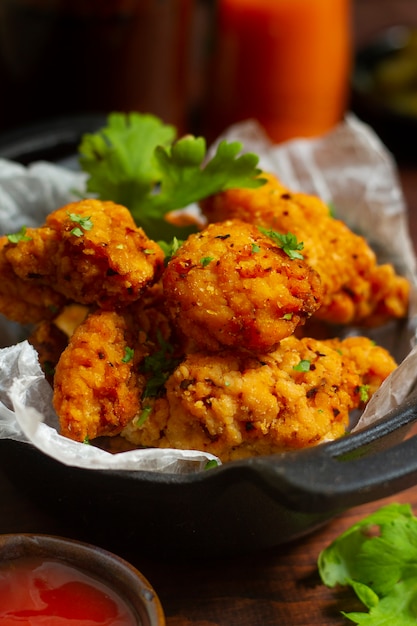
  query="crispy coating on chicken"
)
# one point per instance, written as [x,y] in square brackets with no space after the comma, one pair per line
[373,363]
[49,342]
[356,290]
[23,301]
[90,252]
[235,405]
[231,286]
[96,389]
[99,379]
[206,353]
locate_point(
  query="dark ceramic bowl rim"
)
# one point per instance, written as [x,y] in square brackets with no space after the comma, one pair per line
[105,566]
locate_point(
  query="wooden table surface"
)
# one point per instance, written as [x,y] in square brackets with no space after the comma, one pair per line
[280,587]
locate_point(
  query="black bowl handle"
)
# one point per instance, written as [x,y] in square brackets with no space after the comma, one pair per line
[374,463]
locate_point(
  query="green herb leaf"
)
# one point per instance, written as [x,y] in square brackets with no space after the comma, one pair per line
[210,464]
[159,365]
[364,393]
[287,242]
[136,162]
[170,248]
[129,354]
[84,223]
[19,236]
[143,415]
[302,366]
[377,557]
[206,260]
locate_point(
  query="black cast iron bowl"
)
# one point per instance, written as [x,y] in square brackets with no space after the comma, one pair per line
[239,507]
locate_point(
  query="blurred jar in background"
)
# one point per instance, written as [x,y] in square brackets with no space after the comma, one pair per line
[284,62]
[62,57]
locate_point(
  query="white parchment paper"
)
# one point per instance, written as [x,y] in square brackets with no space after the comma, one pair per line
[349,168]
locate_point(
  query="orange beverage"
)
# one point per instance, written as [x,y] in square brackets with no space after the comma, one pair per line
[283,62]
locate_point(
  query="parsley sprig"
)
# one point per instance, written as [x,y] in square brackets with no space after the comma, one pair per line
[136,161]
[377,557]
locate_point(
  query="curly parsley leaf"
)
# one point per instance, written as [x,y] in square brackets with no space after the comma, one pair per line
[377,557]
[136,161]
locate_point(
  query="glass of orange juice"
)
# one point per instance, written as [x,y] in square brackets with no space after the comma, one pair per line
[285,63]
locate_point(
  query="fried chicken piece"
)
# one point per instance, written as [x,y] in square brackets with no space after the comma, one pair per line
[90,252]
[96,388]
[236,405]
[50,337]
[356,290]
[373,363]
[231,286]
[99,379]
[23,301]
[49,342]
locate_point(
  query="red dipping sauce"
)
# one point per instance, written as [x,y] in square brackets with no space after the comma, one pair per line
[46,592]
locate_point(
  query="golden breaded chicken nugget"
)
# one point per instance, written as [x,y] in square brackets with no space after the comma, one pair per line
[96,387]
[356,290]
[236,405]
[232,286]
[90,252]
[25,301]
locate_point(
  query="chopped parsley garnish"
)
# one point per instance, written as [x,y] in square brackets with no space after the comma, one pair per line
[302,366]
[170,248]
[377,557]
[159,365]
[129,354]
[255,248]
[287,242]
[136,161]
[364,393]
[143,415]
[288,316]
[210,464]
[206,260]
[84,223]
[19,236]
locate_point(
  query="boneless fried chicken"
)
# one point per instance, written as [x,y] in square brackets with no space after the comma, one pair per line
[96,390]
[356,290]
[231,285]
[98,383]
[90,252]
[204,350]
[24,301]
[235,405]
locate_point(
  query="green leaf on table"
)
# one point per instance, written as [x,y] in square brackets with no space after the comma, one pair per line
[377,557]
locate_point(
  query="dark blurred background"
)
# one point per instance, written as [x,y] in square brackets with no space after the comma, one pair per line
[61,58]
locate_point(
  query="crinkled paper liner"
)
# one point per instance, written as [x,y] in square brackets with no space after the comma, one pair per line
[349,168]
